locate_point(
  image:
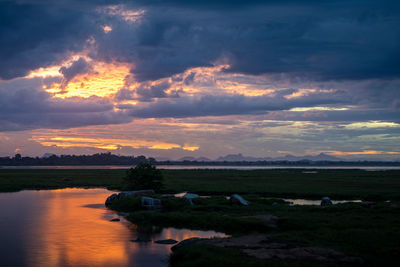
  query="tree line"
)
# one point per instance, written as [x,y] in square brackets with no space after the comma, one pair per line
[111,159]
[95,159]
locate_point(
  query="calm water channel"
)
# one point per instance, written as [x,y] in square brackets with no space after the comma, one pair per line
[212,167]
[71,227]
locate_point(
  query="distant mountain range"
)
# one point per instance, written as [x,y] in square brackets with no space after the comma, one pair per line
[239,157]
[233,159]
[201,159]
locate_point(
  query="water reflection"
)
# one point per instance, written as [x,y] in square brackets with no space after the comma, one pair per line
[306,202]
[71,227]
[212,167]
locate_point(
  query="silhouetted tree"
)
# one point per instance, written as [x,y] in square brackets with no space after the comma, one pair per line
[144,176]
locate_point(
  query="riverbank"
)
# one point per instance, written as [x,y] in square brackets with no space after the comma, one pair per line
[366,233]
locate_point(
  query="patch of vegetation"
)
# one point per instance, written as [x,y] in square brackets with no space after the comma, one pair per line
[200,221]
[370,232]
[127,204]
[15,180]
[289,183]
[293,183]
[144,176]
[208,255]
[213,213]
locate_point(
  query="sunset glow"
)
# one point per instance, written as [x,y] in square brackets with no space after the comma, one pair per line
[366,152]
[105,143]
[104,80]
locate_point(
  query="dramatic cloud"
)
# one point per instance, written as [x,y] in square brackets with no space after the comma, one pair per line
[320,41]
[38,35]
[24,105]
[146,92]
[228,105]
[77,67]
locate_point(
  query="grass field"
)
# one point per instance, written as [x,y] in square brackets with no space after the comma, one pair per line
[338,184]
[15,180]
[293,183]
[368,232]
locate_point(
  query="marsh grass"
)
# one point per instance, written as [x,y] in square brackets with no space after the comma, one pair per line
[289,183]
[15,180]
[208,255]
[372,233]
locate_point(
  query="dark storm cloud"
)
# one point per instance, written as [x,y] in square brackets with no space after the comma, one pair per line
[316,39]
[146,92]
[153,91]
[372,94]
[229,105]
[189,79]
[24,105]
[355,115]
[33,36]
[77,67]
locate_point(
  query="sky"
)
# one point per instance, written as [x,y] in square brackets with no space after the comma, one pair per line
[207,78]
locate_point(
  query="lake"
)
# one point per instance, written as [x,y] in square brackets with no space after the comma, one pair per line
[71,227]
[211,167]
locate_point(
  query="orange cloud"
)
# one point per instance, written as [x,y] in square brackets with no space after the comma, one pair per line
[104,80]
[122,11]
[306,92]
[106,143]
[190,148]
[107,29]
[364,152]
[52,71]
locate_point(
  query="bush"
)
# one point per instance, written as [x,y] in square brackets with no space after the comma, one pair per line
[127,204]
[144,176]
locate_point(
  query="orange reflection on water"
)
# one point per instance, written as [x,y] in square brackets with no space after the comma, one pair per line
[72,235]
[71,227]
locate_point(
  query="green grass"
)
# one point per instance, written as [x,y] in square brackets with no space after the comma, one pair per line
[339,184]
[286,182]
[372,233]
[208,255]
[213,213]
[15,180]
[193,255]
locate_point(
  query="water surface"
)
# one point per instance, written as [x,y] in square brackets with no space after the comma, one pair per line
[307,202]
[211,167]
[71,227]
